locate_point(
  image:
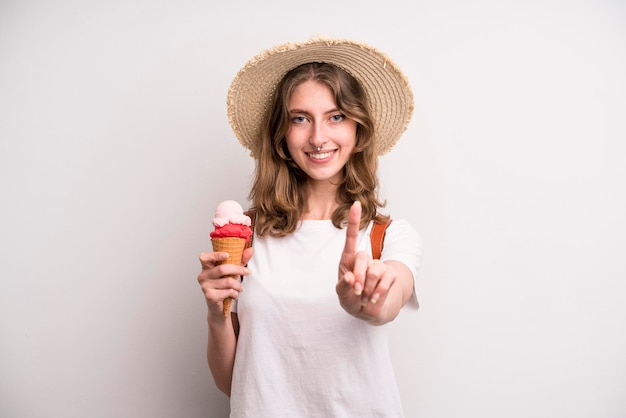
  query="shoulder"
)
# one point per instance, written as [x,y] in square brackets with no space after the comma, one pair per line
[402,240]
[402,229]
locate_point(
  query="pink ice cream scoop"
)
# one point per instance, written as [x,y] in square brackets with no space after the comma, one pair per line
[230,221]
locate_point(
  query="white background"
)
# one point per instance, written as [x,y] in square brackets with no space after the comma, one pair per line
[115,149]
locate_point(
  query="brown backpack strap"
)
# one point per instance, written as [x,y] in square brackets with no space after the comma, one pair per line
[251,214]
[377,238]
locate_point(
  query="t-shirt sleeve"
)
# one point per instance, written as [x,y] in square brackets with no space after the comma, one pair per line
[404,244]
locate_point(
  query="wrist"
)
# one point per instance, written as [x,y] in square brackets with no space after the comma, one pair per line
[217,319]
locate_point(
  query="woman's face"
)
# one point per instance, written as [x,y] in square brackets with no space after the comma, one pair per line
[316,121]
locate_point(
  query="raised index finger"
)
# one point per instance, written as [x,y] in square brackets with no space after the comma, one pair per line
[352,232]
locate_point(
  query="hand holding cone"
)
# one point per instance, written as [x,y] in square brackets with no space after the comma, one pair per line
[234,247]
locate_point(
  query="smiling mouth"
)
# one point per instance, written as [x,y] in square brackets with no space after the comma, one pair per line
[320,155]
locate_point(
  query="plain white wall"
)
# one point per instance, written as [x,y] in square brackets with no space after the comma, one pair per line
[115,148]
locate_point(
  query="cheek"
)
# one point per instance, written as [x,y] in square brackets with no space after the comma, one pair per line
[291,144]
[350,137]
[296,138]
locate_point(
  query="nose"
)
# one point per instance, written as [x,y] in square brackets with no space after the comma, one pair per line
[318,136]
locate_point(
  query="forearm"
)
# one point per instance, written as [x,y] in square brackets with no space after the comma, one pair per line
[221,348]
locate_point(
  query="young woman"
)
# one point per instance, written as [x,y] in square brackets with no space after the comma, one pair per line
[306,337]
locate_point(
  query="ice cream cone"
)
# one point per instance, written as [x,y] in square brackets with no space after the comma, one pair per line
[234,247]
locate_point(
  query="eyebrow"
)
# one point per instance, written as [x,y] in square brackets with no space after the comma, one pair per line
[296,110]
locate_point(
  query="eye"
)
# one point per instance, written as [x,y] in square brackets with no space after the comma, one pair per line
[337,118]
[298,119]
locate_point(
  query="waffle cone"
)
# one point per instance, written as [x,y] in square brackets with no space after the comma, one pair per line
[234,246]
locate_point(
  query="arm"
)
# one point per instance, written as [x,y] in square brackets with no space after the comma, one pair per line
[223,331]
[221,348]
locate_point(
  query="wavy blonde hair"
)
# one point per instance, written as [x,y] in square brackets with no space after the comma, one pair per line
[279,190]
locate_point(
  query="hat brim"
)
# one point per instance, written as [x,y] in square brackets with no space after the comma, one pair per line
[388,91]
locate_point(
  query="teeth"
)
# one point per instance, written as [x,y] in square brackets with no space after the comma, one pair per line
[320,156]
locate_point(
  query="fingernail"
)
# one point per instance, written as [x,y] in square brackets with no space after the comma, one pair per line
[374,298]
[358,289]
[364,301]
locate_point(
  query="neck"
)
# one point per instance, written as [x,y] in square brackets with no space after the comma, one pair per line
[322,202]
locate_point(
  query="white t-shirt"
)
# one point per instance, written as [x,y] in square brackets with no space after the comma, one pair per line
[299,354]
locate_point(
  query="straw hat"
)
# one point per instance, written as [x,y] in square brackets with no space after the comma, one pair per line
[387,89]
